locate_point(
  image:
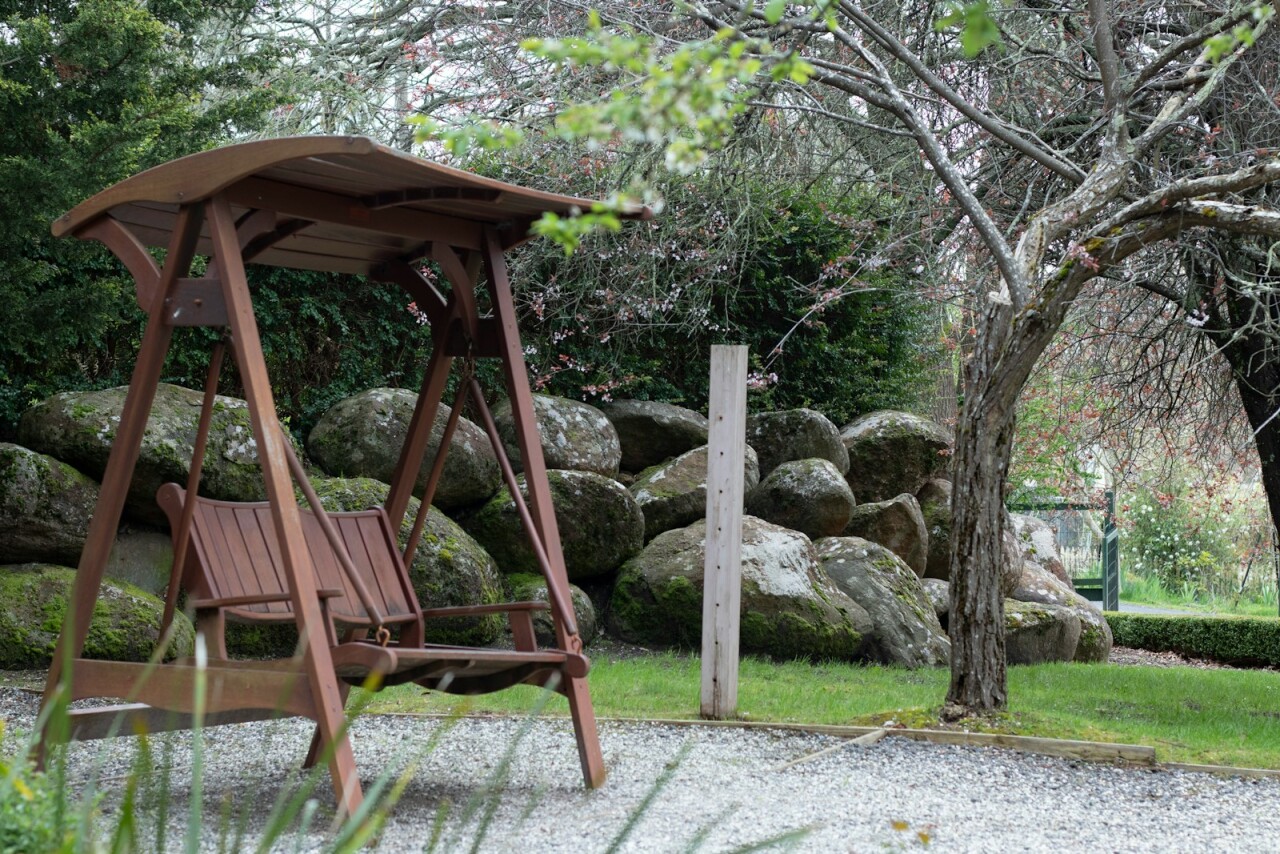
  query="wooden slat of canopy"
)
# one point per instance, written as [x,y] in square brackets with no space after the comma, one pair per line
[345,204]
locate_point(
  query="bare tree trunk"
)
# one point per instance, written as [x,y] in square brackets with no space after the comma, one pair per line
[1260,394]
[984,444]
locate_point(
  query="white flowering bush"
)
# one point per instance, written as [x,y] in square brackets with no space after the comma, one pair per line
[1192,544]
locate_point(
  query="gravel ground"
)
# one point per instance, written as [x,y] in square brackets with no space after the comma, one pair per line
[726,783]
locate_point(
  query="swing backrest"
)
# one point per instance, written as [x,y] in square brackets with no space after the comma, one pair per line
[234,552]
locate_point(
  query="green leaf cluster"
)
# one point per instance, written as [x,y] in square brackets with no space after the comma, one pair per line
[1217,48]
[978,30]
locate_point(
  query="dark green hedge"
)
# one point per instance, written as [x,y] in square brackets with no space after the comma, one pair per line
[1245,641]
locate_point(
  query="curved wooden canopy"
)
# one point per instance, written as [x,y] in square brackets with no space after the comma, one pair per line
[342,203]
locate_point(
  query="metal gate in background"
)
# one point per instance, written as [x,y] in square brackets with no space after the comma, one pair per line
[1091,557]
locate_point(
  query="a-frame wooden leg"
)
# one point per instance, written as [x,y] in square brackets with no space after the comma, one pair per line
[424,416]
[540,506]
[295,556]
[124,453]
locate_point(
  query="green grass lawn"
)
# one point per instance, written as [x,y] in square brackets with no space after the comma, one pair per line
[1227,717]
[1142,590]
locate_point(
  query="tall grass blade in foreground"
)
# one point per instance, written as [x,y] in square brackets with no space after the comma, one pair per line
[647,801]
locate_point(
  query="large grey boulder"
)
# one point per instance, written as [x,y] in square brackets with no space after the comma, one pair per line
[125,625]
[80,427]
[1037,585]
[894,452]
[361,436]
[575,436]
[898,525]
[600,523]
[1034,634]
[527,587]
[45,507]
[789,607]
[1038,544]
[1096,639]
[906,630]
[651,432]
[142,557]
[935,505]
[449,567]
[1010,559]
[674,494]
[939,593]
[795,434]
[809,496]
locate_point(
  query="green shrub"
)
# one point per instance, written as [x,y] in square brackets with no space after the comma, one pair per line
[1246,641]
[30,818]
[92,93]
[786,268]
[1186,549]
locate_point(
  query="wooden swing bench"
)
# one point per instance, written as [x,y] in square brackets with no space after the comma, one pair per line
[347,205]
[237,576]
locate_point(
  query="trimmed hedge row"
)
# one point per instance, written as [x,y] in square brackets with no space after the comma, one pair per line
[1245,641]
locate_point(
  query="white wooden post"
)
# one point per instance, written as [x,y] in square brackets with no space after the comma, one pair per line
[722,572]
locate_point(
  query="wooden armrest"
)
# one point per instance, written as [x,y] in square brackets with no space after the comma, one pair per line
[257,599]
[478,610]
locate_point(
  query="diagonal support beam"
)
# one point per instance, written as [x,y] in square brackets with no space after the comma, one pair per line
[285,515]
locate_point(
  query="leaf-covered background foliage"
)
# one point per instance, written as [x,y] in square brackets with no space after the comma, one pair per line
[91,93]
[788,269]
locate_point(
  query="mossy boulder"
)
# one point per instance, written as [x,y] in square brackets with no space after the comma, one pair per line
[449,567]
[527,587]
[894,452]
[1035,634]
[898,525]
[935,505]
[795,434]
[362,435]
[1037,585]
[575,436]
[80,427]
[45,507]
[33,605]
[650,432]
[905,628]
[600,524]
[1096,639]
[142,557]
[789,607]
[1038,545]
[674,494]
[809,496]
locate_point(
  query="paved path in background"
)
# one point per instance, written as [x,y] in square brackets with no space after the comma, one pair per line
[1131,608]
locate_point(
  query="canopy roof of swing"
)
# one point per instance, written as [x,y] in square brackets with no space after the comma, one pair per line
[343,204]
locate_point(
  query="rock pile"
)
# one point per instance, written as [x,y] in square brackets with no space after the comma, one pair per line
[845,543]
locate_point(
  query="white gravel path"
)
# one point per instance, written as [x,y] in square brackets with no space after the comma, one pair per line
[727,784]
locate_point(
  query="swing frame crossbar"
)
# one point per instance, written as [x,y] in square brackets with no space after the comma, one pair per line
[344,205]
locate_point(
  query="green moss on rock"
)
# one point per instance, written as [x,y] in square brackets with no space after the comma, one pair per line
[527,587]
[657,599]
[33,605]
[600,525]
